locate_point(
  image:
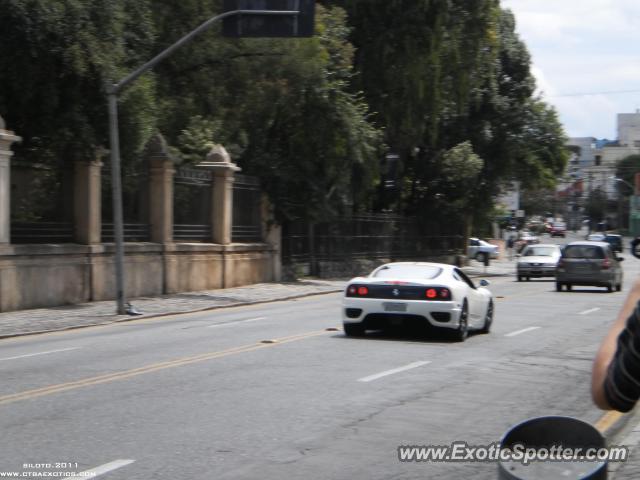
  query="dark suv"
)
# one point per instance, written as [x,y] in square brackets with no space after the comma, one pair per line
[615,241]
[589,263]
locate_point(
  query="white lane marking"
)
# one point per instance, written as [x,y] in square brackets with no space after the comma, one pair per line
[518,332]
[586,312]
[101,470]
[234,322]
[39,353]
[370,378]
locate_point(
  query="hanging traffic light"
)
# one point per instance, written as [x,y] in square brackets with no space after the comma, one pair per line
[298,24]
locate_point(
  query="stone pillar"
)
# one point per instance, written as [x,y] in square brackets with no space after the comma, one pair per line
[87,200]
[219,162]
[7,138]
[160,190]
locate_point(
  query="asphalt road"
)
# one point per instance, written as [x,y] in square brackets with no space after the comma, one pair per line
[267,392]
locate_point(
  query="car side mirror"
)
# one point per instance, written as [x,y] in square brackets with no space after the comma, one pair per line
[484,283]
[620,259]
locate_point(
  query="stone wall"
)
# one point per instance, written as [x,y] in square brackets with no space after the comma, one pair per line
[33,276]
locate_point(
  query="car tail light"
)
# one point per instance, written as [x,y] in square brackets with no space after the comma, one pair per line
[438,293]
[560,263]
[606,264]
[357,291]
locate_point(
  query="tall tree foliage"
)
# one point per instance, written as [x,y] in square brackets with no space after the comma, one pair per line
[429,75]
[442,72]
[626,169]
[56,59]
[284,109]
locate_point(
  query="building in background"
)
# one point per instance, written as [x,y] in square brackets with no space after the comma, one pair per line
[591,173]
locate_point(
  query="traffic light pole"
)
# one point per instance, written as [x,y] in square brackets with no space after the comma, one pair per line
[116,180]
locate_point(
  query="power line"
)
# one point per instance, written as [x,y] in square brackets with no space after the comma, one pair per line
[587,94]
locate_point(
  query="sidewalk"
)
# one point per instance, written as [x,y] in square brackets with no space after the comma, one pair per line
[496,268]
[41,320]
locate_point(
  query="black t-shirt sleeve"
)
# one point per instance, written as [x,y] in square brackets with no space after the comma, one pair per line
[622,385]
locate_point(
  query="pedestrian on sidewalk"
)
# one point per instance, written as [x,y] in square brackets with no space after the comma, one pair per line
[510,244]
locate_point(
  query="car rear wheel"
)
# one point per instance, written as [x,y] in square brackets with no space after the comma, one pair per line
[461,334]
[488,318]
[353,329]
[619,287]
[558,287]
[569,287]
[519,278]
[610,288]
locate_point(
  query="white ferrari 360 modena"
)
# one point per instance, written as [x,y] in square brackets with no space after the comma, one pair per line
[435,294]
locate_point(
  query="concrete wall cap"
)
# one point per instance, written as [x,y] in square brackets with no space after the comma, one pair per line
[218,154]
[157,148]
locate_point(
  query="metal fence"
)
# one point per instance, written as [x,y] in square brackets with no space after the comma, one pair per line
[41,203]
[135,203]
[192,205]
[363,237]
[41,232]
[247,209]
[132,232]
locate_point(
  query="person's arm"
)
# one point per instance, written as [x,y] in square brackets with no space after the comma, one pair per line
[608,348]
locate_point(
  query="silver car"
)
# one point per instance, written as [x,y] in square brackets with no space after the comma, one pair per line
[589,263]
[478,248]
[538,261]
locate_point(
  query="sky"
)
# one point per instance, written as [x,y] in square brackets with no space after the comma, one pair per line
[583,47]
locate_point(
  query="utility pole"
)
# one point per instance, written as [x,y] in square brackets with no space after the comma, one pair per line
[115,88]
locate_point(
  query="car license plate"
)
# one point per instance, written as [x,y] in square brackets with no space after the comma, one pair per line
[394,307]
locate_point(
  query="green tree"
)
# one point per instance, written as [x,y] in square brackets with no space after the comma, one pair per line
[439,73]
[283,108]
[56,59]
[596,206]
[626,169]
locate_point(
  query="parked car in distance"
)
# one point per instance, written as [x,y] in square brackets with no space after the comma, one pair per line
[538,261]
[615,241]
[558,229]
[418,293]
[589,263]
[477,249]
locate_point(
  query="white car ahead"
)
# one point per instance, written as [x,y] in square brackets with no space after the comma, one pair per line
[538,261]
[434,294]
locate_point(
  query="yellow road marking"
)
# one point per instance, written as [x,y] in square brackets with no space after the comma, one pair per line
[608,420]
[523,294]
[125,374]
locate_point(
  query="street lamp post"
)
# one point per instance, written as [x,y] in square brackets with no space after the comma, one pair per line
[112,94]
[620,180]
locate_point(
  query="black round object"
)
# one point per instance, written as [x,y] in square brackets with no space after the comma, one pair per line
[544,433]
